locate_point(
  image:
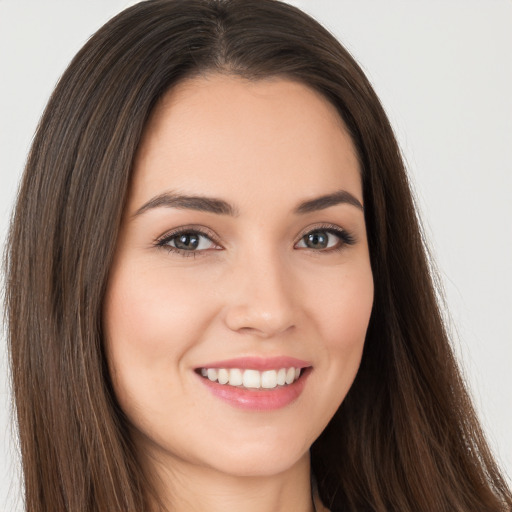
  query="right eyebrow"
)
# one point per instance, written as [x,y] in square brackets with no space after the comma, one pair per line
[328,200]
[200,203]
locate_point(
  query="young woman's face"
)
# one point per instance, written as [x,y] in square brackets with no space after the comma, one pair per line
[242,263]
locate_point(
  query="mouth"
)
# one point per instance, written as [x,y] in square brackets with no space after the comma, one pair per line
[251,378]
[256,384]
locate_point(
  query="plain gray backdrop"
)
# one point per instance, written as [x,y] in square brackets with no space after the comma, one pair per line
[443,70]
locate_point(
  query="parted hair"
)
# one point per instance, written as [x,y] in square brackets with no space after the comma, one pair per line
[406,437]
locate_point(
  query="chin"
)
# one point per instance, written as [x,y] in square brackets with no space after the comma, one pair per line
[260,464]
[258,457]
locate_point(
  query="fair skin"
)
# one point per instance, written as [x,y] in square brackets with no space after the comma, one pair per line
[254,277]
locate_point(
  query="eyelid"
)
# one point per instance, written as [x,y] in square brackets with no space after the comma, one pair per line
[190,228]
[346,237]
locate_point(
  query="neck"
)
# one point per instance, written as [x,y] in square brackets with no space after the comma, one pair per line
[184,487]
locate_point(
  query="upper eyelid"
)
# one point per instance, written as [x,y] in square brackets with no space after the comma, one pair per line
[319,227]
[347,237]
[201,230]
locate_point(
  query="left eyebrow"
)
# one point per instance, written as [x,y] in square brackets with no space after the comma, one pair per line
[200,203]
[323,202]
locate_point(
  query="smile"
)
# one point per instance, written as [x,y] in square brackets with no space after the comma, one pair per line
[256,384]
[250,378]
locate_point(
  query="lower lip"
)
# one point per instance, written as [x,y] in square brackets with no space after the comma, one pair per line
[258,399]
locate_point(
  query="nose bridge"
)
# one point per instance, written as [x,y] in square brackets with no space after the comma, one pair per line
[262,297]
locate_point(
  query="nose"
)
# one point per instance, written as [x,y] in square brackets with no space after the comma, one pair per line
[261,300]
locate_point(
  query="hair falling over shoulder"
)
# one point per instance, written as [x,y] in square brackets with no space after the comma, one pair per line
[405,439]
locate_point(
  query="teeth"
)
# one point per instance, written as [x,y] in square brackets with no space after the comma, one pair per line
[290,375]
[252,379]
[235,377]
[223,376]
[269,379]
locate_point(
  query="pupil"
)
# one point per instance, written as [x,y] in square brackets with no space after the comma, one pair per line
[317,240]
[187,242]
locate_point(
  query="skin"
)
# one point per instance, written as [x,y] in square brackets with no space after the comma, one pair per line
[257,290]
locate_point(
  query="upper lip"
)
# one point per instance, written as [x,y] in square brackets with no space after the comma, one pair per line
[259,363]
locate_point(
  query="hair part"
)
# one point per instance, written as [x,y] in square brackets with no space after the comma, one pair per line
[406,436]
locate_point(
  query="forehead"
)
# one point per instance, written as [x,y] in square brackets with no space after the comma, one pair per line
[223,134]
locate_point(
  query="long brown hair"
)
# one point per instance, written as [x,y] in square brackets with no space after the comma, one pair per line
[405,438]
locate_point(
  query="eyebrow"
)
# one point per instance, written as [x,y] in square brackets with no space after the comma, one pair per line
[323,202]
[200,203]
[221,207]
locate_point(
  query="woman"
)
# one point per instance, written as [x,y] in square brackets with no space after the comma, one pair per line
[300,343]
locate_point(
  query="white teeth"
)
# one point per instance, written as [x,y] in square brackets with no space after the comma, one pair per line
[252,379]
[223,376]
[269,379]
[235,377]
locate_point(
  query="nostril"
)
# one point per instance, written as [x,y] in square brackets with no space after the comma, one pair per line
[258,321]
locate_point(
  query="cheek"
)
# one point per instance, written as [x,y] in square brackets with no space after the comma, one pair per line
[145,310]
[150,322]
[345,306]
[342,318]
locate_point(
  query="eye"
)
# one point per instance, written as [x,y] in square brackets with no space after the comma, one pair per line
[187,242]
[325,239]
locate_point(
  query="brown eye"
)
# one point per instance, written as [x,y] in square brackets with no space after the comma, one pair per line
[187,241]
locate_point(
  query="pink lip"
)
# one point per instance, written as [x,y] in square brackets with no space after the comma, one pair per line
[258,399]
[259,363]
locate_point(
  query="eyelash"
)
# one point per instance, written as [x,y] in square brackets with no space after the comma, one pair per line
[345,238]
[189,230]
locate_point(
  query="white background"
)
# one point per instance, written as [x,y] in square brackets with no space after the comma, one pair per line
[443,70]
